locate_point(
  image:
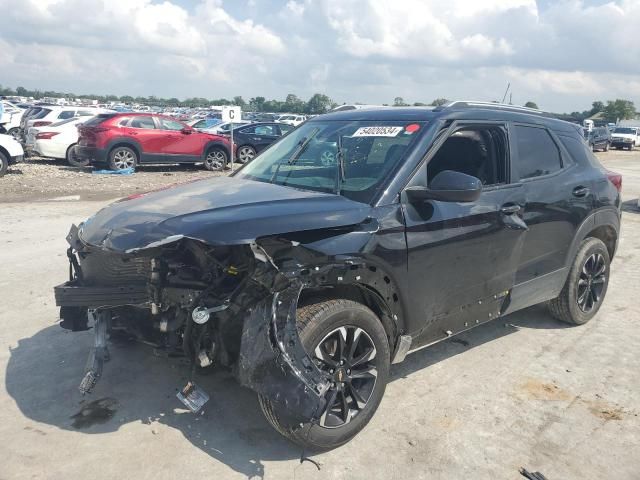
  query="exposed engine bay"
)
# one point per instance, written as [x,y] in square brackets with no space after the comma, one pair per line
[225,305]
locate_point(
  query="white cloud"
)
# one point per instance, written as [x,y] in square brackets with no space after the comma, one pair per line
[562,54]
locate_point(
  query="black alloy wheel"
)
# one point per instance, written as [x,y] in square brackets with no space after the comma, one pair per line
[591,283]
[348,356]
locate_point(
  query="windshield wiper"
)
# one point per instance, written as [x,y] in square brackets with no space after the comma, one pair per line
[340,176]
[302,145]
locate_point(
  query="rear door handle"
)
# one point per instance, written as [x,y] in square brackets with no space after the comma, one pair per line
[510,208]
[580,192]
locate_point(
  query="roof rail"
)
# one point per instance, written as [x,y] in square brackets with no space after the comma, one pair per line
[491,105]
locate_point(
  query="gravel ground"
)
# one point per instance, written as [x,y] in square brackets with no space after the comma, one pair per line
[523,390]
[38,179]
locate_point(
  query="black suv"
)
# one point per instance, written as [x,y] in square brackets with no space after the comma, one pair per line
[309,278]
[599,138]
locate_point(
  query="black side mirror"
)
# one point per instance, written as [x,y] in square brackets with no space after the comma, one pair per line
[448,186]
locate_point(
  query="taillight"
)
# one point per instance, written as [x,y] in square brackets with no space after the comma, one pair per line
[615,179]
[46,135]
[41,124]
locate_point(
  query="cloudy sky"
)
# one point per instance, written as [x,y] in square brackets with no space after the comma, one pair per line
[562,54]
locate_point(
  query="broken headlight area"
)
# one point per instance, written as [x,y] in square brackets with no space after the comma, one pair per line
[223,305]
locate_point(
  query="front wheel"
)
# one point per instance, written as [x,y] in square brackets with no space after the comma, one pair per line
[606,147]
[586,285]
[215,160]
[349,345]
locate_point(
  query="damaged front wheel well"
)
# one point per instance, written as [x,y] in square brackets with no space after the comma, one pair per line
[357,293]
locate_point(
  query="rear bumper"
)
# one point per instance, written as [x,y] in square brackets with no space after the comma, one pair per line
[93,154]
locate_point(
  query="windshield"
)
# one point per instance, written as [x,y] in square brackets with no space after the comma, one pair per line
[351,158]
[628,131]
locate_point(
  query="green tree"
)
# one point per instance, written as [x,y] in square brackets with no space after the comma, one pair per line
[619,110]
[318,104]
[239,101]
[597,107]
[531,105]
[438,102]
[256,104]
[399,102]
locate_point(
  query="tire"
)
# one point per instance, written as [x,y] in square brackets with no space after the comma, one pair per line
[592,257]
[606,147]
[72,158]
[122,157]
[4,164]
[246,153]
[14,132]
[323,323]
[216,159]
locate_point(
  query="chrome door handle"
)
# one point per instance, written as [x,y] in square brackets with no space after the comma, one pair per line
[580,192]
[510,209]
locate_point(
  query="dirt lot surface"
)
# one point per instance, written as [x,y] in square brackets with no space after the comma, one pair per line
[38,179]
[522,391]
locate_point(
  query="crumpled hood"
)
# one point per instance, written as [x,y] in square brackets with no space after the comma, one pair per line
[218,211]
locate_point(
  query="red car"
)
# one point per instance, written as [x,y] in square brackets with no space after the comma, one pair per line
[123,140]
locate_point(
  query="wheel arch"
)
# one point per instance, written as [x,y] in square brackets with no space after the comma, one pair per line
[360,293]
[125,142]
[214,144]
[603,224]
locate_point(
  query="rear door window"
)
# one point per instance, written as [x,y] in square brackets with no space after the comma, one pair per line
[538,153]
[143,122]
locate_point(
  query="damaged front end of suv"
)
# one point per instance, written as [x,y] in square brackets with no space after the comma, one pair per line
[217,296]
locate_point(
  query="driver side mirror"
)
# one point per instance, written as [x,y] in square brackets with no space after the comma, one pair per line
[448,186]
[187,131]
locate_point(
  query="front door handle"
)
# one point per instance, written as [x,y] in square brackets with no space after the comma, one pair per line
[580,192]
[510,208]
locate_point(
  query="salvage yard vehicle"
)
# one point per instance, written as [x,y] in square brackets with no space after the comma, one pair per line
[57,140]
[252,139]
[625,137]
[309,279]
[126,140]
[599,138]
[10,152]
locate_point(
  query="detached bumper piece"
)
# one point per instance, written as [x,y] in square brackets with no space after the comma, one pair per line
[99,352]
[69,294]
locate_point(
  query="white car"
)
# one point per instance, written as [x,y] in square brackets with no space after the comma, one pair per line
[52,114]
[10,119]
[294,120]
[224,127]
[56,140]
[625,137]
[10,153]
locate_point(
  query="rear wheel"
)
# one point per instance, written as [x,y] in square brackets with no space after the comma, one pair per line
[121,158]
[246,153]
[4,164]
[14,132]
[216,159]
[606,147]
[586,285]
[347,343]
[73,159]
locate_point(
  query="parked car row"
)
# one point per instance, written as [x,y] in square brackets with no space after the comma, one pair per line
[602,138]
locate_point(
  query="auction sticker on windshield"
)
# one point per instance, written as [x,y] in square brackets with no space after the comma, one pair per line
[377,132]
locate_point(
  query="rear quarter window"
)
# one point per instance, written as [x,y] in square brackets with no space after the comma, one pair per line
[579,151]
[538,153]
[98,119]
